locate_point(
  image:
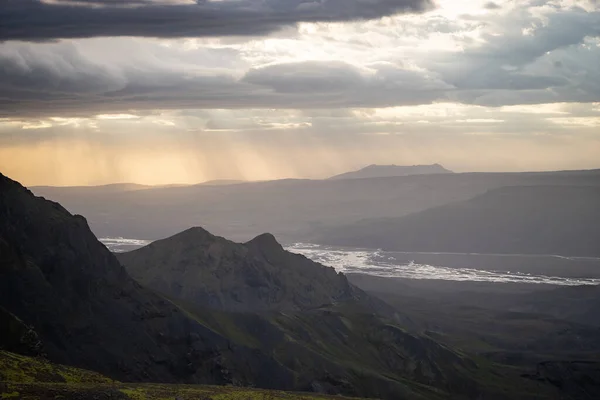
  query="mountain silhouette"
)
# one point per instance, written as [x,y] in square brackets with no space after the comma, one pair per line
[376,171]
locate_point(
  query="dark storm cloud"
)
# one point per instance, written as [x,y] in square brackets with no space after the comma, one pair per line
[58,81]
[37,20]
[552,63]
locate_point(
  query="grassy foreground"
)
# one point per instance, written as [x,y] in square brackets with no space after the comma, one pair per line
[24,377]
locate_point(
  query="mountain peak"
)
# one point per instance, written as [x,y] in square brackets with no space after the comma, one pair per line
[190,236]
[258,275]
[194,232]
[265,241]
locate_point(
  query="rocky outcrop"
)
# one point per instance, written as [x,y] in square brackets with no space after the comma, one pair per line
[259,275]
[16,336]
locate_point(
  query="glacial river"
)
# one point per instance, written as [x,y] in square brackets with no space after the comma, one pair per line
[509,268]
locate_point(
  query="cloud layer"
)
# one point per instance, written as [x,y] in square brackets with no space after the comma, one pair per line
[528,53]
[508,85]
[59,19]
[58,80]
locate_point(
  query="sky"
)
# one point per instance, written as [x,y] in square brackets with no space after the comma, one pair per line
[179,91]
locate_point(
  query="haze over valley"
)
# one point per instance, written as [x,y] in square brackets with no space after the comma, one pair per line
[522,228]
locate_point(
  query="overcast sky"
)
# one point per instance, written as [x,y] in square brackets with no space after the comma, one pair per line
[165,91]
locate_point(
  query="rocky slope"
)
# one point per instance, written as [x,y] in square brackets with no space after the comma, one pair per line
[198,267]
[344,349]
[59,280]
[17,336]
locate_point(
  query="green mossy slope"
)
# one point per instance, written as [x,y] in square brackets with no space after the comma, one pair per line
[36,378]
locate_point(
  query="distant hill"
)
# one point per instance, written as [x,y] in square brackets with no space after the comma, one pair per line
[110,188]
[219,182]
[94,190]
[289,209]
[211,271]
[562,220]
[376,171]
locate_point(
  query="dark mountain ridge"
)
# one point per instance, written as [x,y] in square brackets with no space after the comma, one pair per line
[260,275]
[64,284]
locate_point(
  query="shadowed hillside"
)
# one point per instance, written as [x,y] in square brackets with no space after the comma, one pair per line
[579,304]
[59,280]
[562,220]
[550,335]
[208,270]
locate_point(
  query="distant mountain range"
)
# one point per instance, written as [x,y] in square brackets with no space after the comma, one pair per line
[377,171]
[290,209]
[563,220]
[219,182]
[126,187]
